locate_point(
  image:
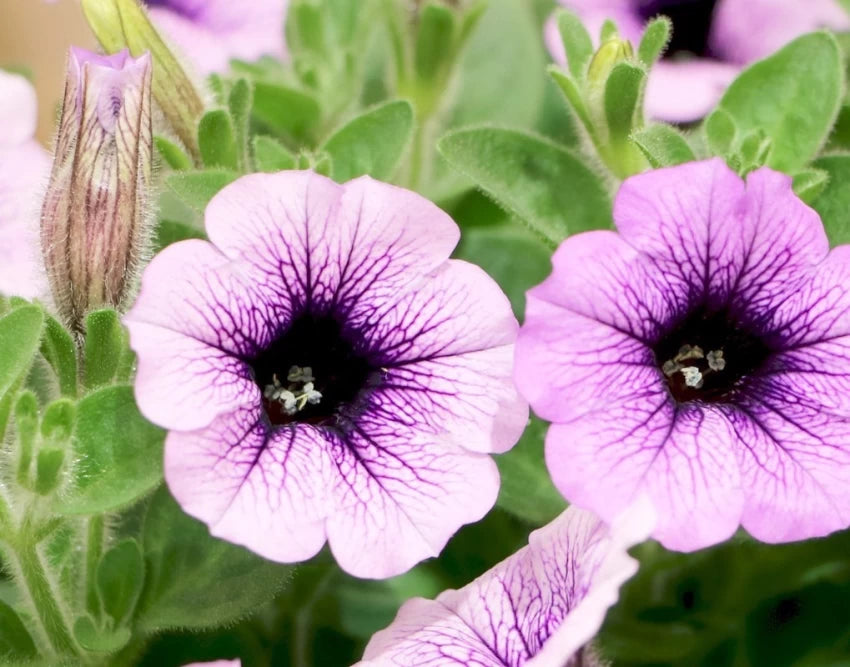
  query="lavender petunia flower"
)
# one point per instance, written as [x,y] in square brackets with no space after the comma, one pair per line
[539,607]
[701,355]
[24,166]
[327,372]
[712,40]
[212,32]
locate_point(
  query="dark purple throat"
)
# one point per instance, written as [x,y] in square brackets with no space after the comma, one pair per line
[691,23]
[336,371]
[709,357]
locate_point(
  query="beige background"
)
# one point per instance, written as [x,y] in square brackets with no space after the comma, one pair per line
[36,34]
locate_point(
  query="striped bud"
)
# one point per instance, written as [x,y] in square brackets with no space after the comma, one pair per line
[93,227]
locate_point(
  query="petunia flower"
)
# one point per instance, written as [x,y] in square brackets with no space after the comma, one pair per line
[210,33]
[701,355]
[712,40]
[540,607]
[326,372]
[24,166]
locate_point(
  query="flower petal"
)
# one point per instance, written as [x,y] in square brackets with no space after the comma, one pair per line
[746,30]
[718,242]
[794,459]
[196,321]
[266,491]
[681,457]
[18,110]
[331,247]
[23,172]
[685,91]
[401,492]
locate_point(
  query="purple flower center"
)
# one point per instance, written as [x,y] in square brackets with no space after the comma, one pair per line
[310,372]
[708,357]
[191,9]
[691,23]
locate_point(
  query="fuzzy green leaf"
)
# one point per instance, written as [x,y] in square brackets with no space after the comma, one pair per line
[196,188]
[372,143]
[20,339]
[577,42]
[120,579]
[548,187]
[217,140]
[663,146]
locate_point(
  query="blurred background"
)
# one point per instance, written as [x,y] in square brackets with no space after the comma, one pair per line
[34,37]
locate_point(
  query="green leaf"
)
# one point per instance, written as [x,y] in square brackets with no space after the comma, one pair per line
[286,111]
[577,42]
[574,96]
[654,40]
[270,155]
[196,188]
[372,143]
[172,154]
[107,346]
[194,580]
[434,39]
[48,465]
[26,432]
[809,184]
[623,90]
[97,640]
[217,140]
[20,339]
[57,424]
[833,203]
[117,454]
[527,490]
[543,184]
[240,101]
[607,31]
[120,579]
[663,146]
[793,96]
[15,640]
[59,350]
[171,231]
[720,132]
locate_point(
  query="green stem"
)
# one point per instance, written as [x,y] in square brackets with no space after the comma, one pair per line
[94,550]
[47,612]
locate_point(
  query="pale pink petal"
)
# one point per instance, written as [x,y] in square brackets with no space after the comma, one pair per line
[18,110]
[746,30]
[683,91]
[201,319]
[400,492]
[265,490]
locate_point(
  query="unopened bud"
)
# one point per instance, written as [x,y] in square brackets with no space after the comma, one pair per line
[612,51]
[93,227]
[124,23]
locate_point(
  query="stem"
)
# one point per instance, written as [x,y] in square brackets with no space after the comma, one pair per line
[94,550]
[47,612]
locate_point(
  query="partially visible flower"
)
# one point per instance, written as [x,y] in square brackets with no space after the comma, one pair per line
[93,219]
[212,32]
[539,607]
[24,165]
[326,372]
[712,40]
[700,356]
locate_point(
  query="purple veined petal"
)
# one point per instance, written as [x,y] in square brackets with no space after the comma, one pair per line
[682,458]
[399,489]
[703,229]
[211,33]
[746,30]
[794,463]
[199,317]
[538,607]
[336,245]
[682,91]
[18,110]
[265,490]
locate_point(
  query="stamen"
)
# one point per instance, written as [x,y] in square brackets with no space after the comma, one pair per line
[693,376]
[715,359]
[292,397]
[670,367]
[689,352]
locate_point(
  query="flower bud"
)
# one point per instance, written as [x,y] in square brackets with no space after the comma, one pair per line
[93,226]
[614,50]
[124,23]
